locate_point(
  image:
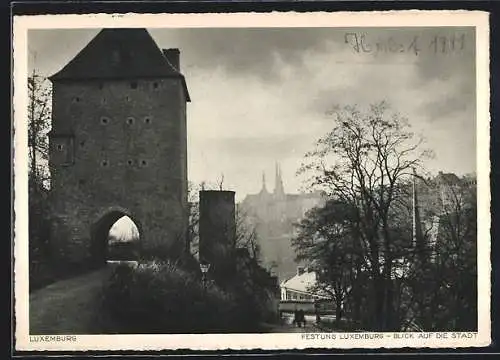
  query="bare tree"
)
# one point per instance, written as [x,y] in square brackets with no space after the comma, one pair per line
[246,235]
[325,239]
[220,182]
[193,217]
[39,115]
[245,232]
[455,261]
[361,162]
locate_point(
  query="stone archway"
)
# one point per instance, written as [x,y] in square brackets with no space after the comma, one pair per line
[100,230]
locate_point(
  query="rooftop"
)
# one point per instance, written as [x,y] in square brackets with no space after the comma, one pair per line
[120,54]
[301,283]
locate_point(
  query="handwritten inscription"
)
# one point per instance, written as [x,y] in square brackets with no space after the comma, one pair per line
[438,44]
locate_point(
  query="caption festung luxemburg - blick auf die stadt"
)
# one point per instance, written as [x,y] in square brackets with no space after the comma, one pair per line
[381,336]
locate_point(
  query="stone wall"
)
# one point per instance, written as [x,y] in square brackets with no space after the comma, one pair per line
[118,146]
[217,229]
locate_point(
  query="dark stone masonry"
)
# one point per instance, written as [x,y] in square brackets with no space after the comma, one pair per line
[118,146]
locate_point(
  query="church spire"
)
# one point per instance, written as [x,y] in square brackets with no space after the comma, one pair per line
[417,226]
[264,188]
[278,187]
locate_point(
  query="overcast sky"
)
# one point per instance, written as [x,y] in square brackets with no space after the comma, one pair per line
[259,96]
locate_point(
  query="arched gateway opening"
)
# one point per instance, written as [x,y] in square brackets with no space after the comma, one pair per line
[115,236]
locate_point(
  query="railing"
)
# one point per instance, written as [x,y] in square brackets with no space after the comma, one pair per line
[309,307]
[131,263]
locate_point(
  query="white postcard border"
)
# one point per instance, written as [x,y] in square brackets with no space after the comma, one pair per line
[410,18]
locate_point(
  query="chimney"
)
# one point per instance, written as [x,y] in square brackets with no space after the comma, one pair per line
[172,56]
[300,270]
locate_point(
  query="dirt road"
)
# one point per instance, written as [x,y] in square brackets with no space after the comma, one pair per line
[288,326]
[68,306]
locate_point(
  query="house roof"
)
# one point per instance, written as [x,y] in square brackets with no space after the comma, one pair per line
[301,283]
[448,178]
[119,54]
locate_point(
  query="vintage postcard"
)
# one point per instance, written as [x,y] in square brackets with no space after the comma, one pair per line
[251,181]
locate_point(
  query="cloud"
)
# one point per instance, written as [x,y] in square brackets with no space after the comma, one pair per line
[260,148]
[445,107]
[51,49]
[260,95]
[448,72]
[250,51]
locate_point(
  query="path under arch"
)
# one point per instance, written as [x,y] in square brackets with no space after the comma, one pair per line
[100,235]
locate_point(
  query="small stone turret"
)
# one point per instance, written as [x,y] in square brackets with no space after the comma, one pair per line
[217,230]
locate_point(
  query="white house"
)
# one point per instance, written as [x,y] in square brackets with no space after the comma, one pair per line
[300,287]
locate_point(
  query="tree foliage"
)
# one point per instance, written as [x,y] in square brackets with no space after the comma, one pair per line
[445,285]
[39,114]
[361,162]
[361,242]
[327,237]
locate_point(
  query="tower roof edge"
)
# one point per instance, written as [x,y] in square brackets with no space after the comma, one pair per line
[124,53]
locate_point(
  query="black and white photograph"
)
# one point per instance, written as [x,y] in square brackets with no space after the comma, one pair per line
[319,181]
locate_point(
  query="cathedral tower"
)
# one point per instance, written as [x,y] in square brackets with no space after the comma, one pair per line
[118,145]
[264,191]
[279,191]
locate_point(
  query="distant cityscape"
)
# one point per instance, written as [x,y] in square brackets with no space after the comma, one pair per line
[274,213]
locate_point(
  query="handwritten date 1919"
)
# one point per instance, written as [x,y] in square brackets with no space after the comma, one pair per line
[437,44]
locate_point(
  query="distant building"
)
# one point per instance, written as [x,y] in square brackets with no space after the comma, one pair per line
[300,287]
[439,199]
[274,214]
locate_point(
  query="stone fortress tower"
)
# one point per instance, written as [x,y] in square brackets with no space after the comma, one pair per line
[118,146]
